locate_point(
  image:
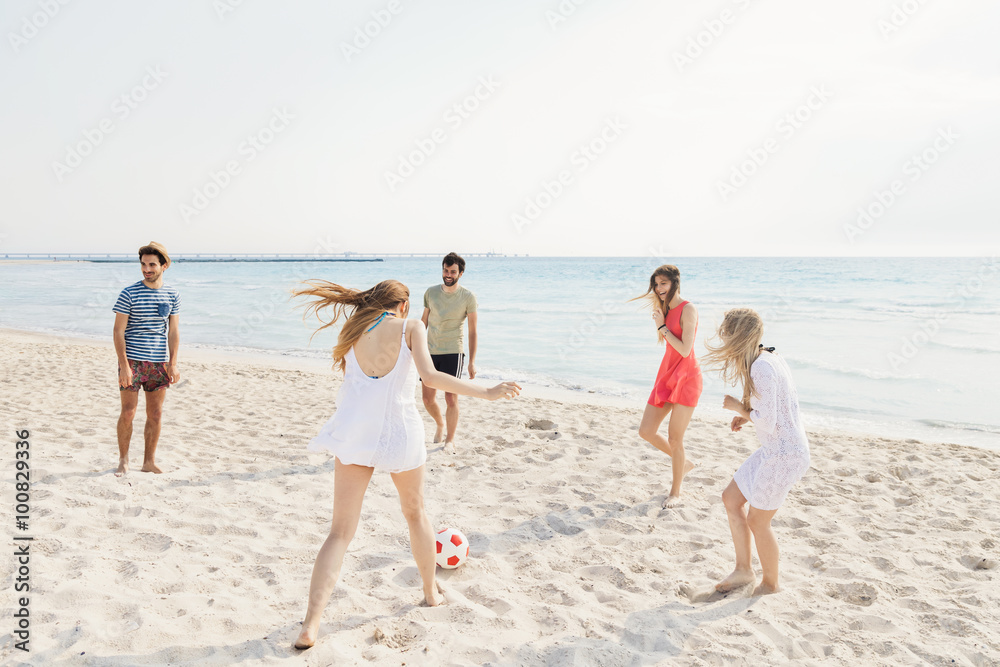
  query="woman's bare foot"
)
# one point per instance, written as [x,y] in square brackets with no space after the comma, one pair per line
[671,501]
[150,467]
[435,597]
[766,589]
[674,498]
[449,447]
[737,579]
[307,638]
[122,467]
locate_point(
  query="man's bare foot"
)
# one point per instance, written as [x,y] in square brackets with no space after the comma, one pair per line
[122,467]
[766,589]
[449,447]
[439,433]
[150,467]
[307,639]
[737,579]
[671,501]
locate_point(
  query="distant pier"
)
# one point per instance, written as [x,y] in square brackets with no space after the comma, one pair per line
[126,258]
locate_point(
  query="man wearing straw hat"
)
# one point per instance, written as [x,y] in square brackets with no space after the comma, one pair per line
[147,336]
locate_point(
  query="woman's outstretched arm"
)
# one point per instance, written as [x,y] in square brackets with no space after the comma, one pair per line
[437,380]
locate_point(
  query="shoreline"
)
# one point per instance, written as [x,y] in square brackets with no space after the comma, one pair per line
[204,353]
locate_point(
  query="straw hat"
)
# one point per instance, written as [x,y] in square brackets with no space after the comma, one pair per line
[157,247]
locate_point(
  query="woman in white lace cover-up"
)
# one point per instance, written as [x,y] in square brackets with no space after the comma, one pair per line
[377,425]
[771,403]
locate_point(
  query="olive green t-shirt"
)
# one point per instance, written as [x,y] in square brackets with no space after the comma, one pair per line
[447,314]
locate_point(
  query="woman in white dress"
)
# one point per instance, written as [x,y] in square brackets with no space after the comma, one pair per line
[772,404]
[376,425]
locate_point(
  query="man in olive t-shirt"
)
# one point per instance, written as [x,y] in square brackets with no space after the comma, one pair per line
[446,307]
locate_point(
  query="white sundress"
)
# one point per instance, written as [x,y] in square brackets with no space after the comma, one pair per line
[766,477]
[376,423]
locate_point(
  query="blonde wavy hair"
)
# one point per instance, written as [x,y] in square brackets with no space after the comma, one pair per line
[738,346]
[360,307]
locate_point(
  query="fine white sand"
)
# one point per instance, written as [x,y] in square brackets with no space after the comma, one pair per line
[889,548]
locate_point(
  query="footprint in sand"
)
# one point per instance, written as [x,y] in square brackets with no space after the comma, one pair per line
[560,526]
[978,562]
[693,594]
[154,541]
[856,593]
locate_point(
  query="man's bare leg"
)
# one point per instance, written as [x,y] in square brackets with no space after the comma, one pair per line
[430,403]
[130,400]
[154,415]
[451,416]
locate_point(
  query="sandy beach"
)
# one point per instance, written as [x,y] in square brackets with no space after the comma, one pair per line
[890,547]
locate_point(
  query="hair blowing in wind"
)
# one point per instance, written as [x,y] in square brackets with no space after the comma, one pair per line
[739,338]
[360,308]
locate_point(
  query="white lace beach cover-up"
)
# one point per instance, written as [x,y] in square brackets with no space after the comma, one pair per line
[376,423]
[783,457]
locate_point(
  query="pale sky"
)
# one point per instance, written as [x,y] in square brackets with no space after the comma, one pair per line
[896,115]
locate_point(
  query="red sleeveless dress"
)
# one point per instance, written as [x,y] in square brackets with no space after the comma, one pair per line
[679,378]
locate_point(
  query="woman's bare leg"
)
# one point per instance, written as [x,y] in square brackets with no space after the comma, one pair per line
[767,548]
[649,427]
[349,486]
[734,501]
[410,485]
[680,417]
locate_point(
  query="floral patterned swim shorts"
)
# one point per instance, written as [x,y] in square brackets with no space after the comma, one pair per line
[150,375]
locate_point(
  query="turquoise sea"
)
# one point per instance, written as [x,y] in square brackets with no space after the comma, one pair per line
[893,347]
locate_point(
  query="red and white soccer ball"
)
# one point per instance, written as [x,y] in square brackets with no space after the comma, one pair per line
[452,548]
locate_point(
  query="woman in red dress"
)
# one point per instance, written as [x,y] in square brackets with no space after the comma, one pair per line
[678,382]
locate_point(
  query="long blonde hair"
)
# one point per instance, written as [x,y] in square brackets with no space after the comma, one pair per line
[366,307]
[671,273]
[739,338]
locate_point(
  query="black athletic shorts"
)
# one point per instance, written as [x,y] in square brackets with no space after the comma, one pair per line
[452,364]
